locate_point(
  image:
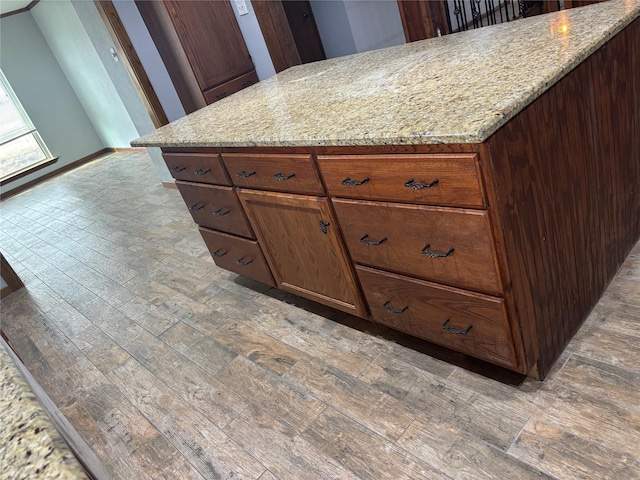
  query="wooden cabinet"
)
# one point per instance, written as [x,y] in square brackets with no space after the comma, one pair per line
[202,48]
[301,240]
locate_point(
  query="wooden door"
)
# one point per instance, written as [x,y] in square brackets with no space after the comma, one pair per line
[304,30]
[301,241]
[211,39]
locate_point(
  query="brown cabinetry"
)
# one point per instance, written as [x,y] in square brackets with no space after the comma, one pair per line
[301,240]
[202,47]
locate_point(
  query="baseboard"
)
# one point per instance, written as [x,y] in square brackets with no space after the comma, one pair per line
[169,184]
[56,172]
[130,149]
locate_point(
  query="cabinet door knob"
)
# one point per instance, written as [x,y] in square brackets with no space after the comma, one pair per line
[454,330]
[280,177]
[434,253]
[244,174]
[347,182]
[323,226]
[412,184]
[367,241]
[391,309]
[243,262]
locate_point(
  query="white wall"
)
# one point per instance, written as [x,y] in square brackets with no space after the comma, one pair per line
[150,58]
[70,43]
[354,26]
[45,93]
[254,40]
[374,24]
[81,43]
[333,27]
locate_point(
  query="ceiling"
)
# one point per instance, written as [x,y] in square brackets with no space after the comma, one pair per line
[7,6]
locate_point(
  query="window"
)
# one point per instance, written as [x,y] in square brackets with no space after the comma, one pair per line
[21,148]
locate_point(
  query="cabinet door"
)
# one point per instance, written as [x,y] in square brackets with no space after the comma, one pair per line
[211,39]
[300,238]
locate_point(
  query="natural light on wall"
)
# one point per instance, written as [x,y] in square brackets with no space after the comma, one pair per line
[21,147]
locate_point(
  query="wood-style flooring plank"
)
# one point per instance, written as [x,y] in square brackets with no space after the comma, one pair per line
[448,449]
[469,412]
[207,447]
[292,405]
[283,452]
[569,457]
[619,385]
[367,454]
[371,407]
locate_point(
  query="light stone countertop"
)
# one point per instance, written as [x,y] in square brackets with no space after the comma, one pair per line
[457,88]
[30,445]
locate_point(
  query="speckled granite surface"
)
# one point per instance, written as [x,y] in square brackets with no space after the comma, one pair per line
[458,88]
[30,446]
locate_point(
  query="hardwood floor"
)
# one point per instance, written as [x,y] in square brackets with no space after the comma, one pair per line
[171,368]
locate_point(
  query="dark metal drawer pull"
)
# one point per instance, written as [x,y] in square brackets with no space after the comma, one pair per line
[178,169]
[220,212]
[367,241]
[323,226]
[435,254]
[411,183]
[222,95]
[347,182]
[202,172]
[391,309]
[454,330]
[241,261]
[244,174]
[280,177]
[196,207]
[217,254]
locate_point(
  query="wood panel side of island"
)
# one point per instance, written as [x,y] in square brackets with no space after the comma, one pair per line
[566,179]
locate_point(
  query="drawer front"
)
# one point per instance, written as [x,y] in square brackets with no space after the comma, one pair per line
[280,173]
[446,245]
[232,86]
[438,179]
[238,255]
[197,167]
[215,207]
[467,322]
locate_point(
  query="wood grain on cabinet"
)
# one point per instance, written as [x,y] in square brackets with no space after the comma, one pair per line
[566,172]
[468,322]
[301,241]
[280,173]
[238,255]
[215,207]
[197,167]
[211,39]
[395,236]
[232,86]
[441,179]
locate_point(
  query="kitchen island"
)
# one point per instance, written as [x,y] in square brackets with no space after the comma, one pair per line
[478,190]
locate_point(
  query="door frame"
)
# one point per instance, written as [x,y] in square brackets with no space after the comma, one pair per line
[130,59]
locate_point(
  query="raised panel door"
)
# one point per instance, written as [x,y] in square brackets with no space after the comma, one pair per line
[301,241]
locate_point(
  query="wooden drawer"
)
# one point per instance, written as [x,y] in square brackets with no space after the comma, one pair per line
[238,255]
[215,207]
[446,245]
[468,322]
[232,86]
[228,88]
[280,173]
[438,179]
[197,167]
